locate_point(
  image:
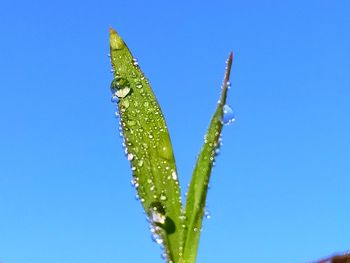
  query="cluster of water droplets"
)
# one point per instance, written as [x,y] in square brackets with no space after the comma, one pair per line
[157,220]
[146,110]
[214,147]
[155,237]
[120,89]
[228,116]
[207,214]
[135,62]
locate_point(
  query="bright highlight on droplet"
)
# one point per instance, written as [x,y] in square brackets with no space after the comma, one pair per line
[121,93]
[157,217]
[174,175]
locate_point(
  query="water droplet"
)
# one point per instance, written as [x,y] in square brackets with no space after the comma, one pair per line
[125,103]
[121,93]
[156,238]
[163,148]
[112,70]
[116,114]
[207,214]
[221,141]
[130,156]
[108,55]
[195,229]
[162,197]
[174,175]
[114,99]
[140,163]
[139,86]
[205,138]
[157,217]
[157,213]
[228,116]
[135,183]
[131,123]
[134,62]
[228,83]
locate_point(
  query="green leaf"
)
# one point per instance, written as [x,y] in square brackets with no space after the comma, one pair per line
[197,192]
[148,147]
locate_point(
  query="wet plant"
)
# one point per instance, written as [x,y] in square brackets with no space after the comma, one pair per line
[174,225]
[148,148]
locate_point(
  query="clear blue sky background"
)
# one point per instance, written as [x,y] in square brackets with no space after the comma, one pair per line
[280,189]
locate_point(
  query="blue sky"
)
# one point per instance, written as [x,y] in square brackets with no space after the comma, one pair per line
[280,189]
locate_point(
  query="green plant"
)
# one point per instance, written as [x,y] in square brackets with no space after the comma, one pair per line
[149,150]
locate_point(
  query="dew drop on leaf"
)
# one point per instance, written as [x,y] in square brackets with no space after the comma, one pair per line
[135,182]
[164,150]
[228,116]
[131,123]
[207,214]
[157,213]
[174,175]
[130,156]
[157,217]
[156,238]
[121,93]
[135,62]
[114,99]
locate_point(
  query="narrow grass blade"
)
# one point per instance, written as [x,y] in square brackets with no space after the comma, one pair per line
[197,192]
[148,147]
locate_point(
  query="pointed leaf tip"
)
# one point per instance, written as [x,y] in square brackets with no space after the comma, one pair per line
[115,40]
[112,31]
[230,57]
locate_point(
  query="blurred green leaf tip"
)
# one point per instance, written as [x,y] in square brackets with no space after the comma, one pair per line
[175,225]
